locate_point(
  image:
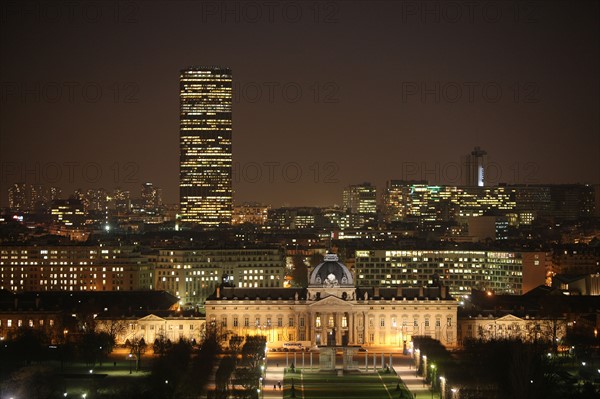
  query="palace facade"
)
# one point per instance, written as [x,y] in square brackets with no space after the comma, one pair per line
[332,311]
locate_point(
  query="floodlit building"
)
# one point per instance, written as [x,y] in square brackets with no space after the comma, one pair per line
[527,329]
[151,327]
[61,313]
[333,311]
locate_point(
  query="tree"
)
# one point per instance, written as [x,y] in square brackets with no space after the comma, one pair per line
[161,344]
[29,343]
[137,347]
[253,350]
[35,382]
[248,378]
[235,343]
[114,328]
[173,366]
[94,347]
[223,376]
[299,272]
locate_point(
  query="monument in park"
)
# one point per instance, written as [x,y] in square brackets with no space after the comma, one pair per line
[333,279]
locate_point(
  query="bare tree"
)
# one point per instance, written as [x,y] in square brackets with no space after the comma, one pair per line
[137,346]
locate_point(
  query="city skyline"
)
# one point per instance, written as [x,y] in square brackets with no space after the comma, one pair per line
[306,126]
[403,194]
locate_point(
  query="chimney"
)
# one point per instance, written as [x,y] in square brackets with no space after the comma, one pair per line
[376,291]
[443,291]
[218,292]
[420,292]
[37,302]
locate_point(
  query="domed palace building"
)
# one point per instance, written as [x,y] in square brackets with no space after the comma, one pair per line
[332,311]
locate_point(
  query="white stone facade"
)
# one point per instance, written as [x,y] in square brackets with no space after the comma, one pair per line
[332,312]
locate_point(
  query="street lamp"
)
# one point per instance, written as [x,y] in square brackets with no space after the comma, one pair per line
[432,379]
[442,387]
[130,363]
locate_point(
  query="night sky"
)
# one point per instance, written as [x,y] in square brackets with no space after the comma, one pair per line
[339,92]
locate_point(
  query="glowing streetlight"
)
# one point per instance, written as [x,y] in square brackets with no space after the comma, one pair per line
[442,387]
[130,362]
[432,366]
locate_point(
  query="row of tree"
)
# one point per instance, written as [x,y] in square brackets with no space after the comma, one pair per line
[25,346]
[240,373]
[504,368]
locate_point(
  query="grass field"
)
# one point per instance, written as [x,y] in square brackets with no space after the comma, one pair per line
[321,385]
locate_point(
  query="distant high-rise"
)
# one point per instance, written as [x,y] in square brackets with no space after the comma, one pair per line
[205,165]
[360,200]
[475,164]
[24,197]
[151,197]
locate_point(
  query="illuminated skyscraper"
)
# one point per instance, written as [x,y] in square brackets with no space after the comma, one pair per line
[475,164]
[360,200]
[205,163]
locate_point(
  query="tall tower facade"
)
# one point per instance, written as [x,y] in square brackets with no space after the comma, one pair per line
[475,164]
[360,200]
[205,164]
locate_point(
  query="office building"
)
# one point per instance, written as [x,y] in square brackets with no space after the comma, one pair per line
[360,201]
[206,166]
[69,212]
[24,197]
[192,275]
[459,270]
[151,197]
[251,213]
[73,268]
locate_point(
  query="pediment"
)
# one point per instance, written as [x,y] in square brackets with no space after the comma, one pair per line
[330,301]
[509,318]
[151,317]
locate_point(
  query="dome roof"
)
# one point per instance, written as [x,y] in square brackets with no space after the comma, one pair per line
[331,272]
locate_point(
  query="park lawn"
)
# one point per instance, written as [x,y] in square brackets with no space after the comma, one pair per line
[322,385]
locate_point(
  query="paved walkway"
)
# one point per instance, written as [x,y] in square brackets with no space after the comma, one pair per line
[273,375]
[407,372]
[403,366]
